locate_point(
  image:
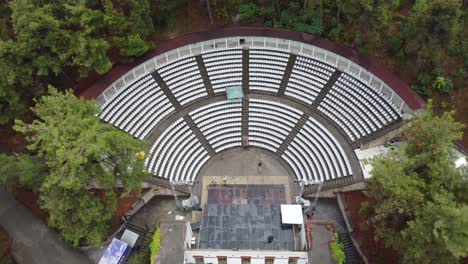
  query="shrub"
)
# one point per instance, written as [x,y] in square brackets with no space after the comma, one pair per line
[223,14]
[422,85]
[443,85]
[248,12]
[155,244]
[365,209]
[337,250]
[315,20]
[335,31]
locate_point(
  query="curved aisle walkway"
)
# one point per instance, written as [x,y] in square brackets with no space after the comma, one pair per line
[33,242]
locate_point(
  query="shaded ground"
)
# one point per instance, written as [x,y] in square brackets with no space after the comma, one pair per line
[31,201]
[156,210]
[375,251]
[32,241]
[322,235]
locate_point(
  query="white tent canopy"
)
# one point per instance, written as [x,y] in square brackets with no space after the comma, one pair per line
[291,214]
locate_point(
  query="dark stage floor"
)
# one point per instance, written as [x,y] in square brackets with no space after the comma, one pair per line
[245,217]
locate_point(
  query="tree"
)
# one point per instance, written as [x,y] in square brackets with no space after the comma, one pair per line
[81,153]
[47,36]
[431,27]
[22,169]
[419,209]
[248,12]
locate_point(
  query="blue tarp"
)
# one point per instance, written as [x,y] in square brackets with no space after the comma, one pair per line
[116,253]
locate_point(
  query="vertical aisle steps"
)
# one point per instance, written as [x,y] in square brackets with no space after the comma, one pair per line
[300,123]
[326,88]
[245,122]
[245,71]
[197,132]
[166,90]
[204,74]
[287,74]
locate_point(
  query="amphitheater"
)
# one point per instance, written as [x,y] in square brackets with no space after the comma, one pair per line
[219,103]
[309,107]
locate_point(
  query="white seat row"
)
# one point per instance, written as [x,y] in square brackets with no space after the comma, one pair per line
[309,61]
[357,109]
[224,68]
[315,154]
[220,123]
[184,81]
[370,94]
[177,154]
[138,108]
[123,93]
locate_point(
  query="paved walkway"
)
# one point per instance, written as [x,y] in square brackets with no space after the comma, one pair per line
[32,241]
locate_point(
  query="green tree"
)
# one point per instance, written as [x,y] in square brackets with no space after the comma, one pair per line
[48,36]
[431,27]
[22,169]
[419,209]
[248,12]
[81,153]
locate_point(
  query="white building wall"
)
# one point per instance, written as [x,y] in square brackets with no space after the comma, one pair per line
[235,257]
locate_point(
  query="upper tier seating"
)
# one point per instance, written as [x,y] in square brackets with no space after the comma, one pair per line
[184,80]
[220,123]
[224,68]
[357,108]
[138,108]
[266,69]
[307,79]
[177,154]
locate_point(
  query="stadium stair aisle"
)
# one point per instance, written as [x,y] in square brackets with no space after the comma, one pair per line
[287,74]
[166,90]
[204,74]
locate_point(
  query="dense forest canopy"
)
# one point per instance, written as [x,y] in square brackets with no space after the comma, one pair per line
[42,39]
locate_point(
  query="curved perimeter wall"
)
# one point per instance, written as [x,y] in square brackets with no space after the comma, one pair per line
[346,59]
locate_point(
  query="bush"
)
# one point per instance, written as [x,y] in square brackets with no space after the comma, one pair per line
[155,244]
[335,30]
[337,250]
[443,85]
[315,22]
[422,85]
[248,12]
[365,209]
[223,14]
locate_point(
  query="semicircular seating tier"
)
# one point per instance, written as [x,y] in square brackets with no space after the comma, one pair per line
[314,154]
[306,88]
